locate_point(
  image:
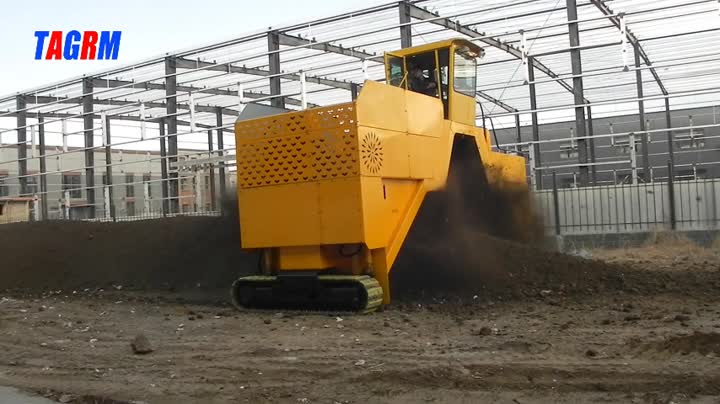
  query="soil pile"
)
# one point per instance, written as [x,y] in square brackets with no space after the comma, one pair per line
[203,252]
[443,256]
[458,258]
[474,239]
[186,252]
[471,264]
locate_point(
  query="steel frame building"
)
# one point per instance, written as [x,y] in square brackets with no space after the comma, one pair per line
[547,62]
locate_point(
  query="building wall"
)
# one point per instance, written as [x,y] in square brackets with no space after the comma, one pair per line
[14,211]
[132,170]
[701,155]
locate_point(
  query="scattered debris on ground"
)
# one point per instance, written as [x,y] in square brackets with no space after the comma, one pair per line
[141,345]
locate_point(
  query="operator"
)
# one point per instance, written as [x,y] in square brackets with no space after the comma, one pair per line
[419,83]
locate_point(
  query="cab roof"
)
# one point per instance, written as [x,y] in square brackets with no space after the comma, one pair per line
[437,45]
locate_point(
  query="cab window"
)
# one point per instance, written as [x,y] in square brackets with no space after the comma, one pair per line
[396,71]
[465,72]
[423,74]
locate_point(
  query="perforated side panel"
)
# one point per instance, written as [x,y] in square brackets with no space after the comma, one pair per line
[302,146]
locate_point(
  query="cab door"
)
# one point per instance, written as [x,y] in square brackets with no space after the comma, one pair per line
[463,79]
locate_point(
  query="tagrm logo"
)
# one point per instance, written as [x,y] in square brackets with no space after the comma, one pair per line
[87,45]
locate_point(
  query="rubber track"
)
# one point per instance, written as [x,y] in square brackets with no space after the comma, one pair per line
[370,284]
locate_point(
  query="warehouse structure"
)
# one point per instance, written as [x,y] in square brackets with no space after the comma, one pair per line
[596,94]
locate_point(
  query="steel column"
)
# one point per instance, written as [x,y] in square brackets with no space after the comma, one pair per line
[88,131]
[109,167]
[164,169]
[354,90]
[670,141]
[535,126]
[578,92]
[274,62]
[517,128]
[591,134]
[22,143]
[221,152]
[641,114]
[43,169]
[405,30]
[172,148]
[213,203]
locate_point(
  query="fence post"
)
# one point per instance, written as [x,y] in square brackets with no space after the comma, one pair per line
[36,208]
[556,204]
[671,195]
[107,202]
[146,199]
[198,191]
[66,195]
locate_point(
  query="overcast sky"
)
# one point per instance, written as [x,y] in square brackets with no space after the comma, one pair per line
[149,28]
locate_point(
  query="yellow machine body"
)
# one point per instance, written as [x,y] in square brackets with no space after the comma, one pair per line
[337,188]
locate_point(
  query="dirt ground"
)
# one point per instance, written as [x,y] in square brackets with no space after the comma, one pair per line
[501,323]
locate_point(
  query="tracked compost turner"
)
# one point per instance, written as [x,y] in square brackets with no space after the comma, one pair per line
[328,195]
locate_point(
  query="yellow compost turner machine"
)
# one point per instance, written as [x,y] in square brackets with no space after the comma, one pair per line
[328,195]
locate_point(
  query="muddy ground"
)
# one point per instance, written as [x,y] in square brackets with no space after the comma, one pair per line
[474,321]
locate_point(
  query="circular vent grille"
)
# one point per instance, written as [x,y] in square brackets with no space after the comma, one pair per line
[371,151]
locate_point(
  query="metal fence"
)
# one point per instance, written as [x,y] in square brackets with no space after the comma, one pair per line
[630,208]
[683,205]
[28,210]
[122,199]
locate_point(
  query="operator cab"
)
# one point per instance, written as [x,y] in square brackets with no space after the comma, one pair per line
[445,70]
